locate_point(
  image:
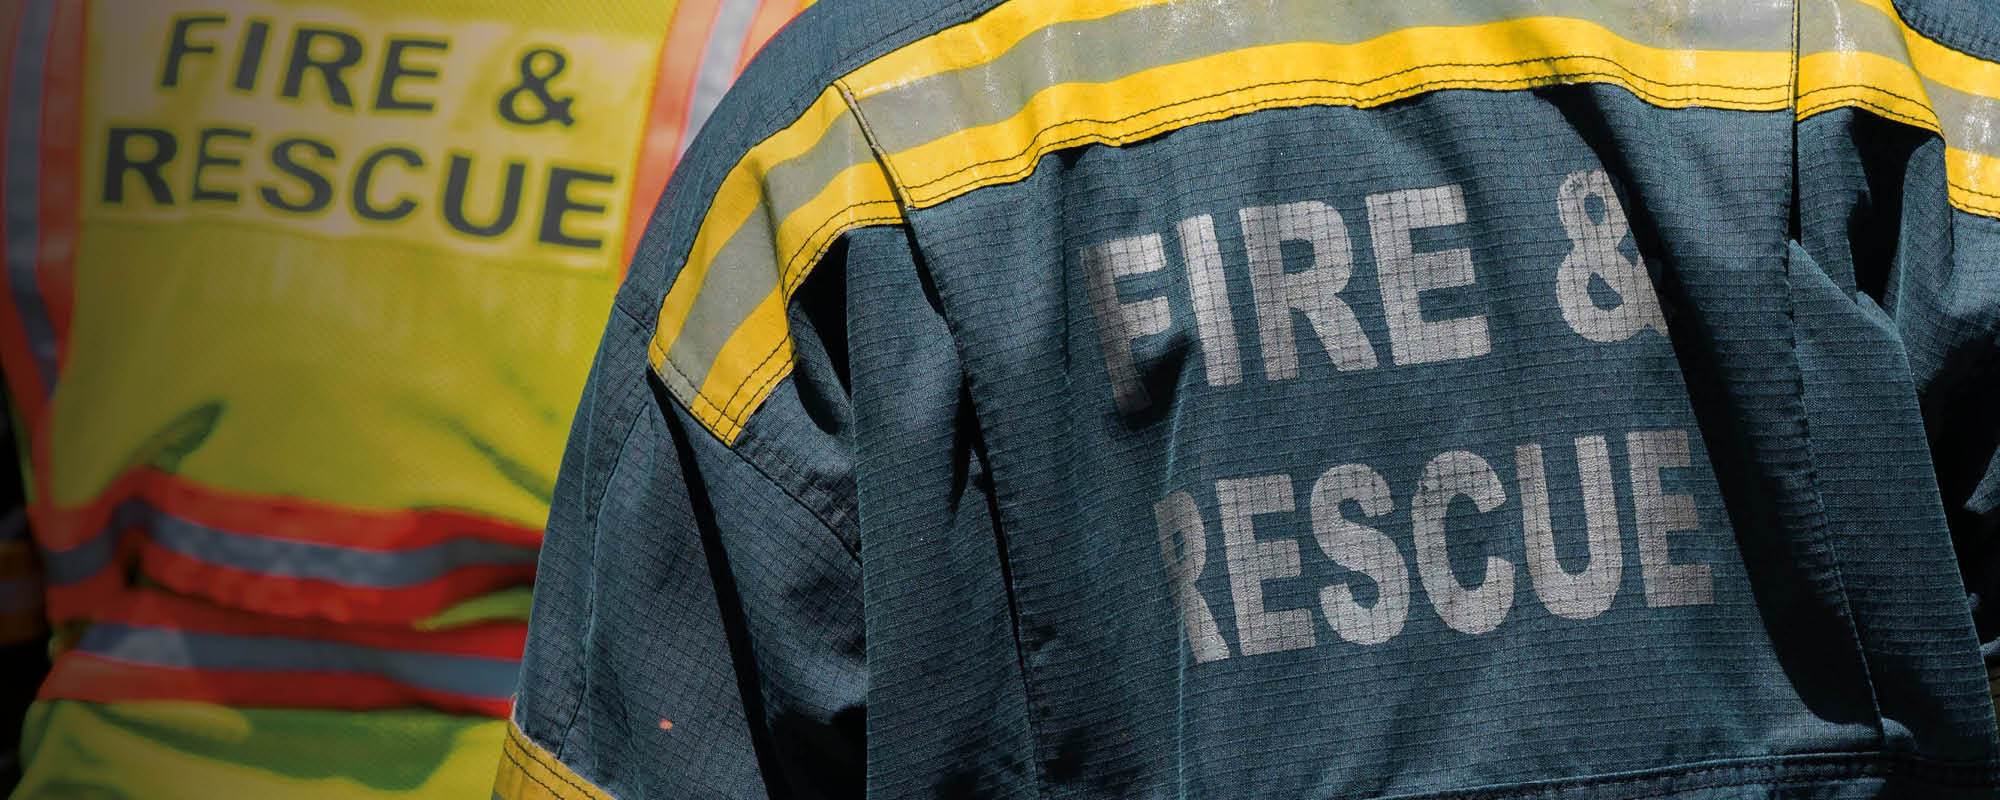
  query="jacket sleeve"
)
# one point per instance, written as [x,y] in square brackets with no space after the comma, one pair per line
[697,627]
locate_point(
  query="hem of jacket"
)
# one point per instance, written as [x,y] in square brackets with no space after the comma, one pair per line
[1887,774]
[530,772]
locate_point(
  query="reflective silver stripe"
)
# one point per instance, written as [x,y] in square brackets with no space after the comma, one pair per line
[746,269]
[352,567]
[1843,26]
[23,185]
[477,676]
[718,63]
[1107,48]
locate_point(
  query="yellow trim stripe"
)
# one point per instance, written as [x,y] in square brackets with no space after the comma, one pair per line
[720,389]
[1907,78]
[528,772]
[1514,54]
[759,352]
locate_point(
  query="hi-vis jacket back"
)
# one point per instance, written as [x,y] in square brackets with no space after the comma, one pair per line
[298,298]
[1185,398]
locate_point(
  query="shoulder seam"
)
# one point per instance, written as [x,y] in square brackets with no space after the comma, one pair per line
[825,523]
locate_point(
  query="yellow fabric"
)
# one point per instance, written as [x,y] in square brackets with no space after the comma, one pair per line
[528,772]
[395,364]
[1514,54]
[196,751]
[722,394]
[1501,55]
[1892,85]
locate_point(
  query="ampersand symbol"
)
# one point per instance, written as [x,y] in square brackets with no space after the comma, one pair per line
[535,82]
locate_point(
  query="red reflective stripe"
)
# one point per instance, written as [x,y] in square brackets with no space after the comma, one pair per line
[84,676]
[666,123]
[157,609]
[277,517]
[85,599]
[61,197]
[297,597]
[771,16]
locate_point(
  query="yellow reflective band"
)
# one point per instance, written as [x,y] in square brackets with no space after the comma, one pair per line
[1868,80]
[1516,54]
[720,389]
[528,772]
[1974,181]
[1906,77]
[741,193]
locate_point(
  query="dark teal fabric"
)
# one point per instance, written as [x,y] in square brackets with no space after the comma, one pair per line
[944,559]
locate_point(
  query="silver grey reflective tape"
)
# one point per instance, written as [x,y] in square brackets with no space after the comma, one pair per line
[1178,517]
[1658,514]
[1362,549]
[23,185]
[1107,48]
[718,64]
[745,270]
[1967,121]
[1845,26]
[1475,609]
[1253,561]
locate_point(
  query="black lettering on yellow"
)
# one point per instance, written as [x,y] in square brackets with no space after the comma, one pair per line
[205,158]
[251,58]
[319,191]
[364,174]
[330,69]
[456,182]
[119,160]
[559,202]
[180,46]
[395,69]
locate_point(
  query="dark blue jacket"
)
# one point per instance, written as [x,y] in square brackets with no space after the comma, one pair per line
[1107,398]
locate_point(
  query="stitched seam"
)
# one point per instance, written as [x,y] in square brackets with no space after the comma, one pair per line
[875,147]
[798,277]
[768,478]
[1034,723]
[1817,522]
[525,772]
[737,418]
[1277,102]
[597,513]
[516,747]
[1847,102]
[1924,104]
[792,111]
[1842,766]
[1844,102]
[1921,34]
[1539,79]
[739,414]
